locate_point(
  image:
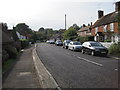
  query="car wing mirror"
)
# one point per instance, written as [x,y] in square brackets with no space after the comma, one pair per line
[89,45]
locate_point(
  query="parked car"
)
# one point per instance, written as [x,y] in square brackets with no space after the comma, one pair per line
[52,42]
[65,43]
[48,41]
[58,43]
[75,46]
[94,48]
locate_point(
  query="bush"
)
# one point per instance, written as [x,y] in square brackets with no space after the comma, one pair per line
[17,45]
[82,39]
[24,43]
[5,56]
[107,40]
[114,49]
[12,51]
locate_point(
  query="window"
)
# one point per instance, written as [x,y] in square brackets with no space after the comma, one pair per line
[101,38]
[105,28]
[96,29]
[112,27]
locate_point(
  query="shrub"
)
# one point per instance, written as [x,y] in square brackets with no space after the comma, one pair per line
[17,45]
[114,48]
[82,39]
[5,56]
[24,43]
[107,40]
[12,51]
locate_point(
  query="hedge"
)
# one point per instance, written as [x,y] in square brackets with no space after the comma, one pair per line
[114,49]
[24,43]
[11,50]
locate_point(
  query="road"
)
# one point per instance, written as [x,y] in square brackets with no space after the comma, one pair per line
[73,69]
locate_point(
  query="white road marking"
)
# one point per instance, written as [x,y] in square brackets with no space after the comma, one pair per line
[90,61]
[116,69]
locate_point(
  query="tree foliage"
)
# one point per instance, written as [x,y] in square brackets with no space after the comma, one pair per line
[71,34]
[75,26]
[23,29]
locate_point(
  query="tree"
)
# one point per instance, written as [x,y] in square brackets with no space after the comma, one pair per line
[41,29]
[71,34]
[75,26]
[23,29]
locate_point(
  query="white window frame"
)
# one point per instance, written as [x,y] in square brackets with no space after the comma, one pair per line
[112,27]
[105,28]
[96,29]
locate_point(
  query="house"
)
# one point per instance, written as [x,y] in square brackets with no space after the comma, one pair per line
[9,37]
[20,36]
[106,27]
[6,39]
[85,31]
[57,37]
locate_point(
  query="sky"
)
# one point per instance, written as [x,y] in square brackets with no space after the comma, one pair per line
[51,13]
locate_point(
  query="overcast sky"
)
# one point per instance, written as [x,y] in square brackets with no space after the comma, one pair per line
[51,13]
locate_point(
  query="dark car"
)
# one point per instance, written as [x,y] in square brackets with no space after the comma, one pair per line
[58,43]
[94,48]
[66,43]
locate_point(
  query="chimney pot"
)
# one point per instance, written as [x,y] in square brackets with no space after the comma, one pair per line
[100,14]
[117,6]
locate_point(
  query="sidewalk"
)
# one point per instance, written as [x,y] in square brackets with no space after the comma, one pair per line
[23,73]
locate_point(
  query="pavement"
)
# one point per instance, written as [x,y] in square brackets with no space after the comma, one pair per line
[23,73]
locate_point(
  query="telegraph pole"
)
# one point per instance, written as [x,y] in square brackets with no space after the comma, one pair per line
[65,21]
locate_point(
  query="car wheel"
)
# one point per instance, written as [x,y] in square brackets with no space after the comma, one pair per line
[82,51]
[92,53]
[73,49]
[68,48]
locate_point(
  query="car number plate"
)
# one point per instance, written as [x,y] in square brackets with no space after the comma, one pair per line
[103,52]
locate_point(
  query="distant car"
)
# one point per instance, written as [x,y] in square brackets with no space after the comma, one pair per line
[48,41]
[94,48]
[65,43]
[58,43]
[51,42]
[75,46]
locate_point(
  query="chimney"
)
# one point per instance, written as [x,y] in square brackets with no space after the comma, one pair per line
[84,25]
[91,23]
[100,14]
[117,6]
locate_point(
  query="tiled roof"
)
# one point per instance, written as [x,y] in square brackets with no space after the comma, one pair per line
[107,19]
[84,28]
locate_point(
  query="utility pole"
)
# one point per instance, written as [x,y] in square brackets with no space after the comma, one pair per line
[65,21]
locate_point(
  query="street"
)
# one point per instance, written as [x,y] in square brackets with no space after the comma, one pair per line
[73,69]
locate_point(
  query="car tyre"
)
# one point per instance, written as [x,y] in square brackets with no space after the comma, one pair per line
[82,51]
[92,53]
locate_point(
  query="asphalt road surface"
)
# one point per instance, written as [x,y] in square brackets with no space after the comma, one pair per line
[73,69]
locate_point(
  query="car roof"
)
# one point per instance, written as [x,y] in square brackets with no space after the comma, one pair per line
[92,42]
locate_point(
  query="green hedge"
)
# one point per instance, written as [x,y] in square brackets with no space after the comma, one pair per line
[107,40]
[82,39]
[114,49]
[5,55]
[12,51]
[24,43]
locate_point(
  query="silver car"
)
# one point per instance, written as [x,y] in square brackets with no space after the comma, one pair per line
[75,46]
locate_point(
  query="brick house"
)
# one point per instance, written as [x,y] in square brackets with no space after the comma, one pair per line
[85,31]
[106,27]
